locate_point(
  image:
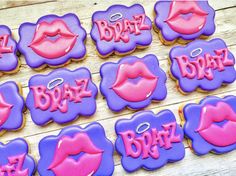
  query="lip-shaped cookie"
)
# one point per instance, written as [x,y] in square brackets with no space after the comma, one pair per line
[70,152]
[53,41]
[149,141]
[15,160]
[11,107]
[133,82]
[211,124]
[8,59]
[204,65]
[186,20]
[121,29]
[61,96]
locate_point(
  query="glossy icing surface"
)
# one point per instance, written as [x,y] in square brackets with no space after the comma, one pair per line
[53,40]
[149,141]
[202,64]
[61,96]
[121,29]
[11,107]
[8,49]
[132,82]
[187,20]
[76,151]
[211,124]
[14,159]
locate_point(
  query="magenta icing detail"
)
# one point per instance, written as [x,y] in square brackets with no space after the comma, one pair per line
[149,141]
[73,148]
[15,159]
[121,29]
[61,96]
[187,20]
[210,125]
[211,66]
[132,82]
[8,50]
[64,40]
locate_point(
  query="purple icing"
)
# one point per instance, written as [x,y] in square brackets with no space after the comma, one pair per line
[16,149]
[27,32]
[106,47]
[192,115]
[62,78]
[141,124]
[109,76]
[12,112]
[226,75]
[162,11]
[95,132]
[8,60]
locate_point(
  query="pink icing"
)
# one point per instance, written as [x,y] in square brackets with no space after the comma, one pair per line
[57,99]
[147,144]
[5,110]
[120,30]
[203,67]
[3,45]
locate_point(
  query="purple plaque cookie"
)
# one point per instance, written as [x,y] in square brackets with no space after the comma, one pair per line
[61,96]
[149,141]
[185,20]
[211,125]
[76,151]
[204,65]
[52,41]
[15,160]
[121,29]
[133,82]
[8,59]
[11,107]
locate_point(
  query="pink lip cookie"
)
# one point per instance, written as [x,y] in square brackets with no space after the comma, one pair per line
[133,82]
[15,160]
[183,20]
[202,65]
[211,124]
[61,96]
[76,151]
[121,29]
[9,62]
[53,41]
[11,107]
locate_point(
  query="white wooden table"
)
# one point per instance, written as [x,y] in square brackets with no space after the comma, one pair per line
[13,13]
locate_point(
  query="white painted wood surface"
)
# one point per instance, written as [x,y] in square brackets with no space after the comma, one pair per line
[13,13]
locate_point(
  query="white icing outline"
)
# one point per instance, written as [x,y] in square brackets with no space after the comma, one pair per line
[198,53]
[142,124]
[115,14]
[61,80]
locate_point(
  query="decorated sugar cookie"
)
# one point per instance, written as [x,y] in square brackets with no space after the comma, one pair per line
[8,59]
[52,40]
[149,141]
[133,82]
[15,160]
[185,20]
[11,107]
[76,151]
[202,65]
[211,125]
[61,96]
[121,29]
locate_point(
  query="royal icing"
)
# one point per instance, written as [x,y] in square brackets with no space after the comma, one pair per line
[211,124]
[202,64]
[149,141]
[11,107]
[133,82]
[61,96]
[8,58]
[185,19]
[53,40]
[70,152]
[15,160]
[121,29]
